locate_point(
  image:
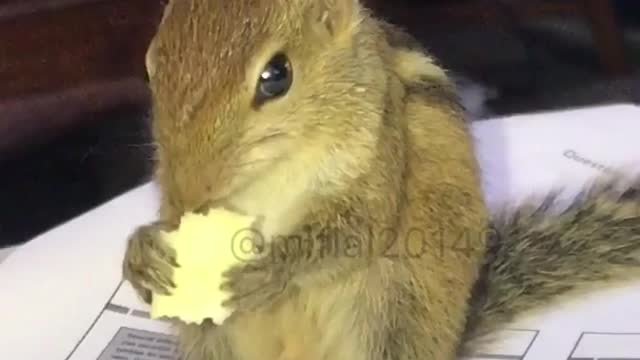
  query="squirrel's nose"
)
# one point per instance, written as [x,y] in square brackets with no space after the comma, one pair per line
[184,189]
[200,188]
[195,195]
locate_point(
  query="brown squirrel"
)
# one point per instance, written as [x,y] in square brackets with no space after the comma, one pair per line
[345,135]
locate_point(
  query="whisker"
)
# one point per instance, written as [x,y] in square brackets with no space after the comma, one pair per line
[270,136]
[141,145]
[257,142]
[255,162]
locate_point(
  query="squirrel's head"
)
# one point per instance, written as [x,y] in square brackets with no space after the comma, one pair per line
[247,87]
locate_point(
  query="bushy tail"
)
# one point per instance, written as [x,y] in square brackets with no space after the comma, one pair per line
[538,252]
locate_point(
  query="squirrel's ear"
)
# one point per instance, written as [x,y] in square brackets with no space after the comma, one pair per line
[334,16]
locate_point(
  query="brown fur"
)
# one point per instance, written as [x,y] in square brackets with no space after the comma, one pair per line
[369,145]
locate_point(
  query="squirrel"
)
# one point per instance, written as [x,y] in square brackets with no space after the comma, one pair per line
[340,129]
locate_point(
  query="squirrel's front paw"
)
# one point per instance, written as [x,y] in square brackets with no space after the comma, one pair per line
[149,262]
[252,285]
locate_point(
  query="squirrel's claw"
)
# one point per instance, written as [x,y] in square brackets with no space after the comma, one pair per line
[149,262]
[251,285]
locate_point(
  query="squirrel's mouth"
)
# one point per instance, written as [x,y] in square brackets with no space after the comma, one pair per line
[262,178]
[246,187]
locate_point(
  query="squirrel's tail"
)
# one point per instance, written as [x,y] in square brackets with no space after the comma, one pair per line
[537,253]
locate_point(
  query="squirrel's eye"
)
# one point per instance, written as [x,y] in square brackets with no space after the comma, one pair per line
[275,79]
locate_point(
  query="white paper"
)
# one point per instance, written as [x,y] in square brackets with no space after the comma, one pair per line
[4,252]
[62,298]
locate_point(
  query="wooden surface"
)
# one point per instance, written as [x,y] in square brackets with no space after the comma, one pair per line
[62,59]
[63,47]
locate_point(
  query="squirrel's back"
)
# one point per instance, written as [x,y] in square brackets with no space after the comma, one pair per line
[539,251]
